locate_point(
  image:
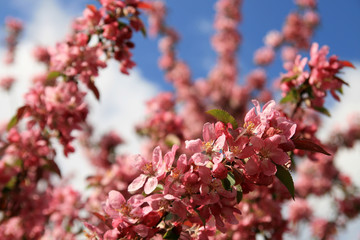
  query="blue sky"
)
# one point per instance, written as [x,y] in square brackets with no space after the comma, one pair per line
[46,22]
[193,19]
[194,22]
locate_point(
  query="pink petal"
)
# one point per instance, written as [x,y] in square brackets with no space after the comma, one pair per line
[220,142]
[257,105]
[137,183]
[217,157]
[268,168]
[279,156]
[219,171]
[142,230]
[205,174]
[179,209]
[200,159]
[247,152]
[112,234]
[157,157]
[288,128]
[150,185]
[208,132]
[136,200]
[116,199]
[138,161]
[182,163]
[170,156]
[251,166]
[228,214]
[269,107]
[250,115]
[273,141]
[257,143]
[194,145]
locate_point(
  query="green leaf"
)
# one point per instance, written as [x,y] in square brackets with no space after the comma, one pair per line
[226,184]
[293,163]
[340,90]
[11,183]
[93,88]
[53,167]
[231,178]
[323,111]
[53,75]
[143,31]
[171,234]
[229,181]
[201,218]
[308,145]
[159,187]
[172,139]
[239,193]
[288,79]
[347,64]
[169,217]
[291,96]
[15,119]
[285,177]
[223,116]
[342,81]
[12,123]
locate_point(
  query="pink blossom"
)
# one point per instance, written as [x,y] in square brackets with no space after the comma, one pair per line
[323,229]
[14,27]
[209,138]
[288,53]
[296,31]
[269,154]
[257,122]
[264,56]
[153,170]
[256,78]
[312,18]
[41,54]
[111,30]
[296,74]
[265,96]
[350,206]
[299,210]
[6,83]
[273,39]
[307,3]
[158,12]
[61,108]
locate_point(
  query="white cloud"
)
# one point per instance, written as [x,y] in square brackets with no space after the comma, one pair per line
[122,103]
[205,26]
[122,97]
[50,23]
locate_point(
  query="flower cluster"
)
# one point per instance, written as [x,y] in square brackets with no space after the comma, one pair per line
[231,183]
[60,108]
[14,27]
[6,83]
[294,36]
[299,84]
[204,185]
[163,122]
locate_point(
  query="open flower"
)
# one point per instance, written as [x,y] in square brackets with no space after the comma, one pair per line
[153,170]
